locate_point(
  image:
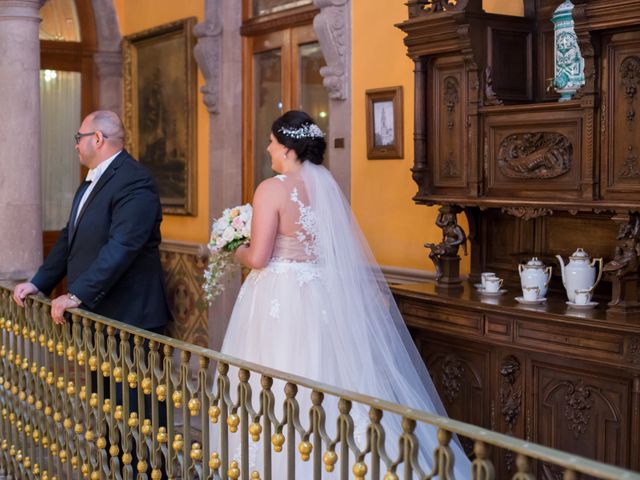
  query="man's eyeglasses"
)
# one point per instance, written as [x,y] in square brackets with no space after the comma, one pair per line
[77,136]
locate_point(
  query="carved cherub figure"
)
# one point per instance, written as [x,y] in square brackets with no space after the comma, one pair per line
[453,237]
[627,254]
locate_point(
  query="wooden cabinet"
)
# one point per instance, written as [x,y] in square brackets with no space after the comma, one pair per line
[562,378]
[535,177]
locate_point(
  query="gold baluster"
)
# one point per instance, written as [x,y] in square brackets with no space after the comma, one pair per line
[482,467]
[524,472]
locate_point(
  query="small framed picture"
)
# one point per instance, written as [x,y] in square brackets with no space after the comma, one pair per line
[384,123]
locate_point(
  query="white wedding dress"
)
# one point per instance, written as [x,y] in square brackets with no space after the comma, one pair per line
[321,310]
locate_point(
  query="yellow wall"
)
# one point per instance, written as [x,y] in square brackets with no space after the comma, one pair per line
[505,7]
[137,15]
[381,190]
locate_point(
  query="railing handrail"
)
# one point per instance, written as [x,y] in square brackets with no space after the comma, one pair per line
[532,450]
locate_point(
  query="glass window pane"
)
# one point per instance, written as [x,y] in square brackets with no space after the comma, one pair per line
[267,92]
[265,7]
[60,21]
[314,98]
[60,110]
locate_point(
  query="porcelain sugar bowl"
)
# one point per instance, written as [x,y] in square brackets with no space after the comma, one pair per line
[534,273]
[579,273]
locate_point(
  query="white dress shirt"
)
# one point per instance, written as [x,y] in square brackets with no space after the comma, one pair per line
[93,176]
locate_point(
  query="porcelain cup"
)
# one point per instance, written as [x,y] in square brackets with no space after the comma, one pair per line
[583,296]
[530,294]
[484,276]
[492,284]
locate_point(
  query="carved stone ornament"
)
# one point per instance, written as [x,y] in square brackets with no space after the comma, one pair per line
[576,411]
[452,373]
[331,26]
[527,213]
[208,54]
[510,397]
[630,78]
[536,155]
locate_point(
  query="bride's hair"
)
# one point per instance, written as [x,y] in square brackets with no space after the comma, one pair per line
[297,130]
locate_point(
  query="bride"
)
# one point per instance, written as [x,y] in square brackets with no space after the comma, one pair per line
[316,304]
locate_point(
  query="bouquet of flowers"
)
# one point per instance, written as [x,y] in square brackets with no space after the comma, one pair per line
[228,232]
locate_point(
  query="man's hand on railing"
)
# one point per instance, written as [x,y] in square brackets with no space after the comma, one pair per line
[59,305]
[21,291]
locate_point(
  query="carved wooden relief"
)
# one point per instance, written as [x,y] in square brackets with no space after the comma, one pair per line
[452,373]
[634,350]
[630,78]
[535,155]
[622,130]
[583,414]
[510,395]
[527,213]
[577,409]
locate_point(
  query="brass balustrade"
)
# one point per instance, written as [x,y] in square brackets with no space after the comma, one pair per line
[57,423]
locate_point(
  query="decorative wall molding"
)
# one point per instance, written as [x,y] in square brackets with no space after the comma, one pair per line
[332,28]
[535,155]
[208,54]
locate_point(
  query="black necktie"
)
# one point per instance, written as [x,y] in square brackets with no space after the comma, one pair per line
[74,210]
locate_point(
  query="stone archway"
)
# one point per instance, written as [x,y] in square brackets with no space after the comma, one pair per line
[108,55]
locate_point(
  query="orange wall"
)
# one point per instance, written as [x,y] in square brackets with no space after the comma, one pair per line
[381,190]
[137,15]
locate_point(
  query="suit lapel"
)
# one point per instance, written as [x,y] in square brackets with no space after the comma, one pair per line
[104,179]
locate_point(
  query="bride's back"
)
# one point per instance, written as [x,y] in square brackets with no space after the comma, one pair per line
[295,240]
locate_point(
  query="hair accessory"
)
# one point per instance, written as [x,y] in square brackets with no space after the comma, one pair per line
[308,130]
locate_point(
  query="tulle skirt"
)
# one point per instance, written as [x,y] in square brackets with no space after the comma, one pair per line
[283,319]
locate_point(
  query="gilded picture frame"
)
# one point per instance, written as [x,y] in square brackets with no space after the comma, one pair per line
[385,135]
[160,110]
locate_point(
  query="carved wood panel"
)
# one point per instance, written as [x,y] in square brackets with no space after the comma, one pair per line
[449,131]
[581,409]
[460,373]
[532,154]
[622,166]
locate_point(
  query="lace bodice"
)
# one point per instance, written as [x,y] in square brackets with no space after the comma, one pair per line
[296,238]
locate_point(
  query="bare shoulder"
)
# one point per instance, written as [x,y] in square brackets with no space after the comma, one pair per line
[271,188]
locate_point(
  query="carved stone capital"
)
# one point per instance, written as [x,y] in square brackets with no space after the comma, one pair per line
[331,26]
[208,55]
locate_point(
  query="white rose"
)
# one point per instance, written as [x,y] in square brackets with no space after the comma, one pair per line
[229,234]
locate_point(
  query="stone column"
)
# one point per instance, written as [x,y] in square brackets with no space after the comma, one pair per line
[20,198]
[219,56]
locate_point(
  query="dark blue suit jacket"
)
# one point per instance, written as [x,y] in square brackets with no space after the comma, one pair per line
[111,257]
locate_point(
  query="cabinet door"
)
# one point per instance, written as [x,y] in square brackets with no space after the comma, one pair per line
[460,372]
[582,409]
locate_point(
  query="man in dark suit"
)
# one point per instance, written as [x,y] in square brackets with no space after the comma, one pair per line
[109,248]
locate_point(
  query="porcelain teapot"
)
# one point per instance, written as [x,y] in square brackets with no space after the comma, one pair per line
[579,273]
[534,273]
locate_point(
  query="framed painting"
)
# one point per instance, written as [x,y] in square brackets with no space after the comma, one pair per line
[385,135]
[160,110]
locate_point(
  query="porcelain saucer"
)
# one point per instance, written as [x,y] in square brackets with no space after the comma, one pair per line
[585,306]
[531,302]
[482,291]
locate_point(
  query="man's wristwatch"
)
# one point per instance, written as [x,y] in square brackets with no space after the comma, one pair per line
[74,298]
